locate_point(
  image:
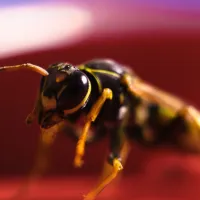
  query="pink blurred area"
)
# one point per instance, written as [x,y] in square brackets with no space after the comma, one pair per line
[161,42]
[51,24]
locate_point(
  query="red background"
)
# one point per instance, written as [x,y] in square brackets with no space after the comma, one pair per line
[168,60]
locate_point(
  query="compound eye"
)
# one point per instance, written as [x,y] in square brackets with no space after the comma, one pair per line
[74,93]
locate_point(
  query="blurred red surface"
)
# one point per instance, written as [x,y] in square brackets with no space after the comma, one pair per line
[170,61]
[132,187]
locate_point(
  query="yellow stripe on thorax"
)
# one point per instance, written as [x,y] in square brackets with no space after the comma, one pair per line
[101,71]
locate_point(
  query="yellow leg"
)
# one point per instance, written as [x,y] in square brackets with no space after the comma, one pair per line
[46,140]
[106,94]
[107,169]
[109,173]
[117,166]
[119,143]
[30,118]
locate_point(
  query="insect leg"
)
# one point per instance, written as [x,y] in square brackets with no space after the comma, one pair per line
[46,140]
[31,117]
[107,169]
[106,94]
[118,148]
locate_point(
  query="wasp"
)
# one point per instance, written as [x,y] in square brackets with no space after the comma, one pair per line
[103,97]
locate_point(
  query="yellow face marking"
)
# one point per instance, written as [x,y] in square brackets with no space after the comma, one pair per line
[48,103]
[60,78]
[81,104]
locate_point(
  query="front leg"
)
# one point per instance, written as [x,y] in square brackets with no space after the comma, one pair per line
[46,140]
[80,148]
[31,117]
